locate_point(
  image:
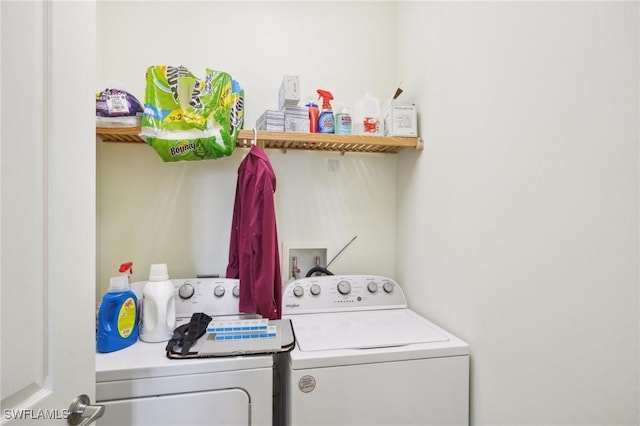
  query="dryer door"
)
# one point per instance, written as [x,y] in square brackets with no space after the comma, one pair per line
[217,407]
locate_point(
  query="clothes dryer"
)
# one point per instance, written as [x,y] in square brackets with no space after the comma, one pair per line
[140,386]
[362,357]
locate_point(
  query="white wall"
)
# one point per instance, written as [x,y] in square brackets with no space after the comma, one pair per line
[180,213]
[518,224]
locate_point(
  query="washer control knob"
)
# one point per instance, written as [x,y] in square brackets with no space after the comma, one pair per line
[372,287]
[344,287]
[387,286]
[186,291]
[218,291]
[298,291]
[236,291]
[315,289]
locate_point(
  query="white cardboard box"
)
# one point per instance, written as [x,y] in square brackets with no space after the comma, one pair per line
[289,93]
[400,120]
[294,123]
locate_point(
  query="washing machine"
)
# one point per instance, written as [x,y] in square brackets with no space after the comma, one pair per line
[140,385]
[362,357]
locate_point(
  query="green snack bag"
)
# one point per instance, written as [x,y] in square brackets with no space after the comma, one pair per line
[186,118]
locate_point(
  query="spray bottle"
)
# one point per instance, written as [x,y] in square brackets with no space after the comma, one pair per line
[313,115]
[325,120]
[126,269]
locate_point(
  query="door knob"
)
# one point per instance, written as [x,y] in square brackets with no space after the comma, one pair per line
[81,413]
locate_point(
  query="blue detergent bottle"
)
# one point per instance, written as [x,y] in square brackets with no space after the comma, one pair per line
[117,317]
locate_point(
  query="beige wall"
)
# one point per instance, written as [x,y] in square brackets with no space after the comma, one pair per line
[180,213]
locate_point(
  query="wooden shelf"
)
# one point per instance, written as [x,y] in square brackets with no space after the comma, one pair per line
[289,140]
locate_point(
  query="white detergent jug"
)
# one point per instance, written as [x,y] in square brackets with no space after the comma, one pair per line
[366,117]
[158,306]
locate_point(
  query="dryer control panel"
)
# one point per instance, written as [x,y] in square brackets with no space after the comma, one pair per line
[213,296]
[337,293]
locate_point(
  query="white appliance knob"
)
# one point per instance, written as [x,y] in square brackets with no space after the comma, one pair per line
[315,289]
[218,291]
[298,291]
[236,291]
[372,287]
[344,287]
[388,287]
[186,291]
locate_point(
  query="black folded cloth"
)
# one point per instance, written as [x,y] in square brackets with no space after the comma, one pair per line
[187,334]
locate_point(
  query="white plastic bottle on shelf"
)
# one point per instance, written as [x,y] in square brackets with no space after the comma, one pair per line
[366,116]
[158,306]
[371,114]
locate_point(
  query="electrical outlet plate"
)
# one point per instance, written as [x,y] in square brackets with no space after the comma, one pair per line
[306,253]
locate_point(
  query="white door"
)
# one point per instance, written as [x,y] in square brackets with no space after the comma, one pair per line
[47,208]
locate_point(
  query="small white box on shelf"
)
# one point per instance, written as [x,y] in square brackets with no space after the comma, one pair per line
[289,93]
[294,123]
[401,120]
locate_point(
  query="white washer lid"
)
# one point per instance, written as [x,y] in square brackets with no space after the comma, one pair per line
[362,330]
